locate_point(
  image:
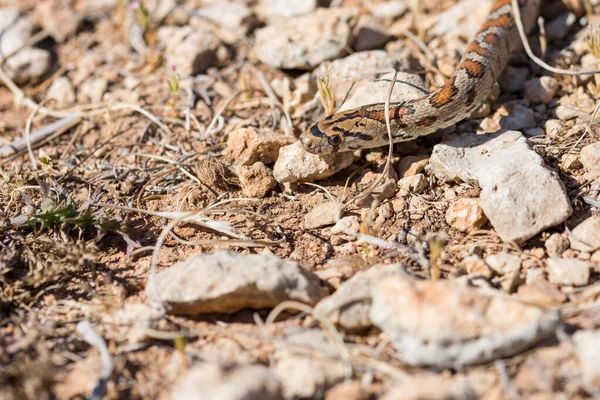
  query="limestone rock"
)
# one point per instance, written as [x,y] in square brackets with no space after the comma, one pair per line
[586,235]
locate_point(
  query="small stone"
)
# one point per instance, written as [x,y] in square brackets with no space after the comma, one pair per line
[296,165]
[556,244]
[28,64]
[559,27]
[248,145]
[446,324]
[412,165]
[504,263]
[303,375]
[475,266]
[225,282]
[541,90]
[587,349]
[232,15]
[213,381]
[92,90]
[465,215]
[595,258]
[520,118]
[533,132]
[590,158]
[274,10]
[503,164]
[586,235]
[568,272]
[62,91]
[349,306]
[349,225]
[192,50]
[412,184]
[570,161]
[348,391]
[256,180]
[554,127]
[541,293]
[370,34]
[306,41]
[567,112]
[323,215]
[426,386]
[513,80]
[533,275]
[398,205]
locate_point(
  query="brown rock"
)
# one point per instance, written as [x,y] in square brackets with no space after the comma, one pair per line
[247,145]
[465,215]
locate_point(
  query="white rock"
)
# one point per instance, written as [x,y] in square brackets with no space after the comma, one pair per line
[226,282]
[587,349]
[590,158]
[554,127]
[296,165]
[586,235]
[62,91]
[568,271]
[465,215]
[210,381]
[446,324]
[460,21]
[389,9]
[370,34]
[503,164]
[503,263]
[232,15]
[541,90]
[92,90]
[519,118]
[306,41]
[15,30]
[431,387]
[349,306]
[28,64]
[307,374]
[412,184]
[274,10]
[323,215]
[556,244]
[191,50]
[349,225]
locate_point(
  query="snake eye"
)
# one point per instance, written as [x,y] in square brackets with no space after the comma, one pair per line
[334,140]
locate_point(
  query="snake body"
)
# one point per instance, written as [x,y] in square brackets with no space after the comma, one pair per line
[469,86]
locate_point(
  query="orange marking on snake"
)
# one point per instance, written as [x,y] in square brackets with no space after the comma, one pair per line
[476,48]
[491,39]
[445,95]
[475,69]
[499,4]
[503,21]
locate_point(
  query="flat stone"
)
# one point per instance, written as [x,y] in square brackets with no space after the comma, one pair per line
[306,41]
[554,127]
[559,27]
[349,306]
[446,324]
[541,90]
[322,215]
[587,349]
[249,145]
[412,184]
[519,118]
[256,180]
[590,158]
[296,165]
[568,271]
[465,215]
[370,34]
[412,165]
[502,164]
[225,282]
[307,374]
[504,263]
[586,235]
[211,381]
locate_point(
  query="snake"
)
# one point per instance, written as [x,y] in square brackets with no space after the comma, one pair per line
[469,86]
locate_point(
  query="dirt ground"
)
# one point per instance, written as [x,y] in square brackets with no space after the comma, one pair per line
[76,243]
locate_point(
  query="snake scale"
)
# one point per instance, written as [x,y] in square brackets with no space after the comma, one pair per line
[470,85]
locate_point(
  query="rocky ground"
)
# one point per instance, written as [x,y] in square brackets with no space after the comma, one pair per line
[163,235]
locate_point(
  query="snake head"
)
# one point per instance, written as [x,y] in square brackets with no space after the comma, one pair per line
[318,140]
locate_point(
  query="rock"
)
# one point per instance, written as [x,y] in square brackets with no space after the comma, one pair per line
[15,30]
[256,180]
[224,282]
[513,79]
[475,266]
[348,391]
[590,158]
[465,215]
[275,10]
[460,21]
[349,225]
[92,90]
[554,127]
[210,381]
[541,293]
[520,118]
[587,349]
[568,271]
[586,235]
[350,80]
[192,50]
[446,324]
[503,164]
[62,91]
[504,263]
[232,15]
[568,111]
[349,306]
[556,244]
[296,165]
[412,165]
[309,373]
[389,9]
[541,90]
[248,145]
[370,34]
[306,41]
[559,27]
[322,215]
[412,184]
[426,386]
